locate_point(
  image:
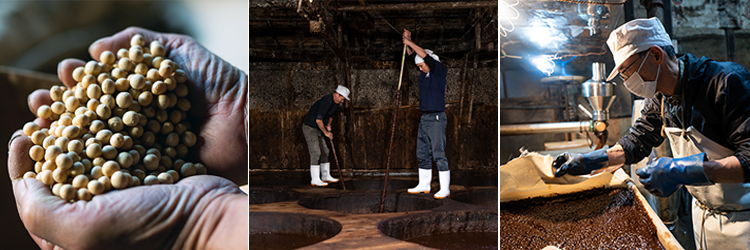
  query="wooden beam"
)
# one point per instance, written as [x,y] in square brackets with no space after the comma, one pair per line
[420,6]
[285,4]
[291,55]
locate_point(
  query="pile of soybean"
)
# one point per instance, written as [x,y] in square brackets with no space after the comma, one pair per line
[122,125]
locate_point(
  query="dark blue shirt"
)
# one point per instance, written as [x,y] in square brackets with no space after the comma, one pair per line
[322,109]
[432,87]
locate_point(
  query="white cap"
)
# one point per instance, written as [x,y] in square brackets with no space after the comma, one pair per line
[633,37]
[343,91]
[418,60]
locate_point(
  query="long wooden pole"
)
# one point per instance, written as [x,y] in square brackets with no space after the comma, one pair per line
[341,176]
[393,131]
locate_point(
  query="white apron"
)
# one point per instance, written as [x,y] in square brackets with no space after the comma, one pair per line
[721,212]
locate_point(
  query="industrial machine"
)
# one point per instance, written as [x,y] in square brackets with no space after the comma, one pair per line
[599,94]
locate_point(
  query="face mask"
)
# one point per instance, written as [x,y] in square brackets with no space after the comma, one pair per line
[639,87]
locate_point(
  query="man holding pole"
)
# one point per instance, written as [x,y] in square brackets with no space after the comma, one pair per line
[431,135]
[316,125]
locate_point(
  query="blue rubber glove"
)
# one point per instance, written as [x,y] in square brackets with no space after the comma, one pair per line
[580,164]
[666,175]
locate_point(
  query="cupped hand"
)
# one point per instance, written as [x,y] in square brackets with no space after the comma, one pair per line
[182,215]
[218,93]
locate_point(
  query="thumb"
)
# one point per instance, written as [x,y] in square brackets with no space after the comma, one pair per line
[560,160]
[34,200]
[561,171]
[19,161]
[643,173]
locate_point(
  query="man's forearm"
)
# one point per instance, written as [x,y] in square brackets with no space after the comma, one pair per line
[320,125]
[420,52]
[616,155]
[726,170]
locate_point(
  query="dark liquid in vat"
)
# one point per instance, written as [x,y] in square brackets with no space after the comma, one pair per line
[459,241]
[282,241]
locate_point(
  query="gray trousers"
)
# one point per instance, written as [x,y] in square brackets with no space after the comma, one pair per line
[431,141]
[316,145]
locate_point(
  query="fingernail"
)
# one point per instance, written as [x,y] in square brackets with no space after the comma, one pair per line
[16,135]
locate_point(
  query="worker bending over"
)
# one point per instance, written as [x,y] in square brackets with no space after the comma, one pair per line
[701,107]
[316,125]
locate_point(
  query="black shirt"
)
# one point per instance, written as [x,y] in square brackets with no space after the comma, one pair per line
[322,109]
[715,99]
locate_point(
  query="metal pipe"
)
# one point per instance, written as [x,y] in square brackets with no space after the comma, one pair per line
[545,128]
[585,111]
[629,11]
[729,34]
[420,6]
[668,17]
[654,8]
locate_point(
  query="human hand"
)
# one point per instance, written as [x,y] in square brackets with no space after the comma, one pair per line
[328,127]
[580,164]
[197,212]
[406,36]
[218,93]
[664,176]
[328,134]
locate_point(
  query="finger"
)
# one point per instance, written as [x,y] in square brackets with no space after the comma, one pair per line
[561,171]
[560,160]
[646,182]
[122,40]
[19,161]
[38,98]
[42,243]
[43,123]
[644,173]
[38,208]
[65,71]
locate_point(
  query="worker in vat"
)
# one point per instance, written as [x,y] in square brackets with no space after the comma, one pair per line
[316,125]
[702,107]
[431,133]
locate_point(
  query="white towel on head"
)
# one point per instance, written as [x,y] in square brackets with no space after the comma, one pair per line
[418,59]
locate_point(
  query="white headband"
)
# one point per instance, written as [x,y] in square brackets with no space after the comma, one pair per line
[418,59]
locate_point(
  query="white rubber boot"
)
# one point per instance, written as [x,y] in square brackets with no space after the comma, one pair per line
[325,171]
[315,174]
[445,183]
[425,177]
